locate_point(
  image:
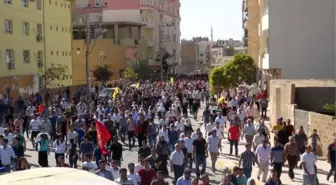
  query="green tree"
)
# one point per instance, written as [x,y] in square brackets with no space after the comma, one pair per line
[130,74]
[141,69]
[240,69]
[54,72]
[217,79]
[102,73]
[165,57]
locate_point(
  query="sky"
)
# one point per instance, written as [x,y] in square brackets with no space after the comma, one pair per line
[225,16]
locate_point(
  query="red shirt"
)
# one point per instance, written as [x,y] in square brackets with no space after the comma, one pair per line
[147,176]
[234,133]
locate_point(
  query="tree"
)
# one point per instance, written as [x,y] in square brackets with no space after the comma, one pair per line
[164,61]
[54,72]
[217,79]
[130,74]
[240,69]
[141,69]
[102,73]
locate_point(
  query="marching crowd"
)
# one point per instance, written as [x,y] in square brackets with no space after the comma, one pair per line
[156,115]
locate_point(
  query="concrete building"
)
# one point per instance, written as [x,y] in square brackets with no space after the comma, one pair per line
[288,40]
[36,34]
[219,57]
[153,13]
[118,46]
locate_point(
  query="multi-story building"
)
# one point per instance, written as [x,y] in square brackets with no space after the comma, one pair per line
[155,14]
[34,35]
[292,41]
[219,57]
[115,44]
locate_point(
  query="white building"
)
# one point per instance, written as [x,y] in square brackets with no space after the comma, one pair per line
[300,39]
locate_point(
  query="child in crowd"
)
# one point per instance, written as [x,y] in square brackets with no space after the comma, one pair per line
[314,138]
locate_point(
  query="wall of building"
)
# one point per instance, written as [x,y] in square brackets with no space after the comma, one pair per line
[18,85]
[324,124]
[58,34]
[282,96]
[302,38]
[114,56]
[188,54]
[253,28]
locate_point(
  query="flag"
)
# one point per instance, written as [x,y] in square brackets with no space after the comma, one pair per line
[103,137]
[137,85]
[220,99]
[115,93]
[171,81]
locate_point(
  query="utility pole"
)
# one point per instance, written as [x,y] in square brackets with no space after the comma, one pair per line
[163,39]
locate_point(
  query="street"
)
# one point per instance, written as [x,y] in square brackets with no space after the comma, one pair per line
[224,160]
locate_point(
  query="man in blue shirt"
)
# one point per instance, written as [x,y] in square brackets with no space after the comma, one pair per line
[186,178]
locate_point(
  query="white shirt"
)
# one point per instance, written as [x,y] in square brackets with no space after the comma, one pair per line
[188,143]
[115,173]
[164,134]
[213,143]
[219,132]
[179,125]
[35,125]
[138,167]
[30,110]
[91,166]
[309,160]
[10,138]
[220,120]
[60,147]
[135,178]
[6,154]
[177,158]
[263,154]
[249,130]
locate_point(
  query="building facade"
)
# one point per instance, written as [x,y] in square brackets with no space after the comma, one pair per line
[36,34]
[219,57]
[117,44]
[289,40]
[155,14]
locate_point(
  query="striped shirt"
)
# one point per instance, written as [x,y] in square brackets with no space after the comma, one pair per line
[291,149]
[248,158]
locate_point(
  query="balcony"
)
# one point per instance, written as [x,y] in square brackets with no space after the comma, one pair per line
[245,23]
[245,41]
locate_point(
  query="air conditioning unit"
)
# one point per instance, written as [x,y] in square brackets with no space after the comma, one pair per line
[12,65]
[39,64]
[8,31]
[25,4]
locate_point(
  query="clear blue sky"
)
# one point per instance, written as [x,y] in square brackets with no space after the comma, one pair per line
[197,16]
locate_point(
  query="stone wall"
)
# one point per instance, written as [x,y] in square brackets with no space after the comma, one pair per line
[282,95]
[324,124]
[301,119]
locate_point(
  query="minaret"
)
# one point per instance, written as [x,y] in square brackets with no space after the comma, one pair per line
[211,36]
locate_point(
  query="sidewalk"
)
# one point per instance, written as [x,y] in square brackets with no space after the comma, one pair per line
[224,160]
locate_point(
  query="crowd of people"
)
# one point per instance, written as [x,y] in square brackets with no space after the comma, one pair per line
[159,116]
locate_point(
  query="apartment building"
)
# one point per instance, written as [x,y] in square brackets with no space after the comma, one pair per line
[35,34]
[294,39]
[157,15]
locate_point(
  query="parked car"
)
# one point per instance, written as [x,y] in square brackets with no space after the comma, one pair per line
[106,92]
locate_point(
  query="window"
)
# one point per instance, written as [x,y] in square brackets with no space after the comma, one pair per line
[39,29]
[57,53]
[26,56]
[50,27]
[9,56]
[62,5]
[66,53]
[49,1]
[25,3]
[8,1]
[25,28]
[56,3]
[102,55]
[8,26]
[56,28]
[62,53]
[39,57]
[51,52]
[99,3]
[62,29]
[70,53]
[65,30]
[38,4]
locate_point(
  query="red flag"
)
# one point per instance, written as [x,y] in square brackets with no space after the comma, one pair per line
[103,137]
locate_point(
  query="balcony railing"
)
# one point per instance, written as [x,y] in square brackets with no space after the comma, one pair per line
[245,5]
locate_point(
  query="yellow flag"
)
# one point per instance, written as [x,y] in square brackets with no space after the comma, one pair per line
[171,81]
[220,99]
[137,85]
[115,93]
